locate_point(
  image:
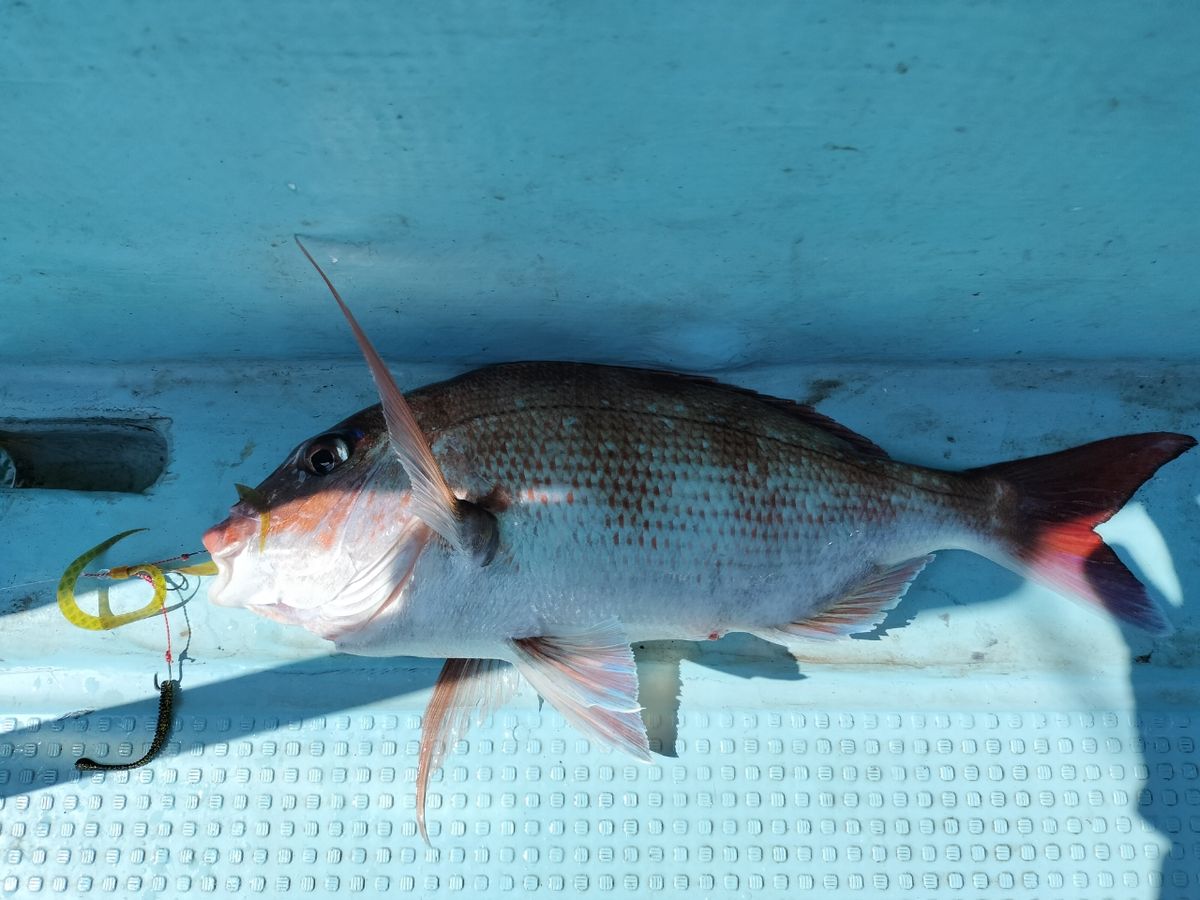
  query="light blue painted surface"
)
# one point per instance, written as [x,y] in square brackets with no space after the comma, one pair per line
[633,183]
[517,179]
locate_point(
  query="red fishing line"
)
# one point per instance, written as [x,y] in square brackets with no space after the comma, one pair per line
[167,628]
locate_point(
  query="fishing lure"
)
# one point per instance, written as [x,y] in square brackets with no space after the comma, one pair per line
[167,694]
[151,573]
[70,608]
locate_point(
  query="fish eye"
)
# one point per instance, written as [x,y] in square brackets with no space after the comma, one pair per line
[324,454]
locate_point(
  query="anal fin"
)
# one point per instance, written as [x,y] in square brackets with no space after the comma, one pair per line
[860,610]
[590,677]
[467,690]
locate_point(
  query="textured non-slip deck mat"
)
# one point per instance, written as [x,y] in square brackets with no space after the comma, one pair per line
[818,802]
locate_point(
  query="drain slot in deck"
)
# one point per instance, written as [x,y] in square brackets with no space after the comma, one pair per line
[121,455]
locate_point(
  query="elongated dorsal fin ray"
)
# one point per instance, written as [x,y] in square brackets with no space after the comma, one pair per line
[467,691]
[590,677]
[432,499]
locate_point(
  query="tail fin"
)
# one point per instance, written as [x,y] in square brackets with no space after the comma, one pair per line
[1059,498]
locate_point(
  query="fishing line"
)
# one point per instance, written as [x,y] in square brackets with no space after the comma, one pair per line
[135,570]
[25,584]
[167,629]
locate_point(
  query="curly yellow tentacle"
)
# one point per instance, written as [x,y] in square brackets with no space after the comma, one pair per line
[204,568]
[69,606]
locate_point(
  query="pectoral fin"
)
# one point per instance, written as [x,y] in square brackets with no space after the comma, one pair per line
[467,690]
[466,526]
[589,676]
[864,607]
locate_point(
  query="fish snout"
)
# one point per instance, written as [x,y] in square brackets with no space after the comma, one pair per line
[233,533]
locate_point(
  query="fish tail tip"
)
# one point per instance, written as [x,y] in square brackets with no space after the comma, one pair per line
[1062,497]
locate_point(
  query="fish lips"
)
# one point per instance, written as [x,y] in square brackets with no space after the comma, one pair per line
[224,542]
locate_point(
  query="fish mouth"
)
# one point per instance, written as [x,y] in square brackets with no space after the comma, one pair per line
[226,538]
[224,542]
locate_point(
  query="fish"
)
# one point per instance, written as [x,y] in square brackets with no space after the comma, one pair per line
[530,521]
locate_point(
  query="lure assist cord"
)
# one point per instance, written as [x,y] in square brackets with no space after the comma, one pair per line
[162,580]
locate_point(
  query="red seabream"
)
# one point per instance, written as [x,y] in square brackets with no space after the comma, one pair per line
[539,517]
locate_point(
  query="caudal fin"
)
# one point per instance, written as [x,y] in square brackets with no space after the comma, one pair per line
[1058,500]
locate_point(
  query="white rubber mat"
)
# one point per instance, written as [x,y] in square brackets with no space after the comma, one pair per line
[1002,743]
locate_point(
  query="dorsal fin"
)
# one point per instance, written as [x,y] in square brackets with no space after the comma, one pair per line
[793,408]
[467,527]
[832,426]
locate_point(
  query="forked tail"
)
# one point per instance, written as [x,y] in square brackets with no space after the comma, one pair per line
[1056,502]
